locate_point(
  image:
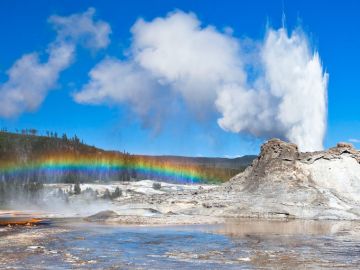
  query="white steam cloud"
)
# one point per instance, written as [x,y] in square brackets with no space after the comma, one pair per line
[30,79]
[192,60]
[169,56]
[115,82]
[177,57]
[289,100]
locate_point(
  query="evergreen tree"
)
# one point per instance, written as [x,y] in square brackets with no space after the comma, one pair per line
[117,193]
[77,189]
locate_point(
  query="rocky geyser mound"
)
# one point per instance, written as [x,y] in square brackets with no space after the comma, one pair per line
[283,181]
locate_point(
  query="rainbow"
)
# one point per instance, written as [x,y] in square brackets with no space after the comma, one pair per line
[109,165]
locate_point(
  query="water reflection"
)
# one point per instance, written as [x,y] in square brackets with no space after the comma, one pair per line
[238,244]
[243,227]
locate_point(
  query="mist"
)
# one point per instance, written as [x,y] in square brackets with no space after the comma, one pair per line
[59,200]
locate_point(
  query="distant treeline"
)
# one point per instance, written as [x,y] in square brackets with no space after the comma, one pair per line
[47,133]
[25,149]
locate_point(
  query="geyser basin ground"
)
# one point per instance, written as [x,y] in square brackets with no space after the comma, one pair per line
[237,244]
[282,183]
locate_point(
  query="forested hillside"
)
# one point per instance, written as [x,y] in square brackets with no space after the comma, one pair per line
[26,156]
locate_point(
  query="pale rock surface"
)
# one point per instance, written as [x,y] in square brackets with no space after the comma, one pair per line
[314,185]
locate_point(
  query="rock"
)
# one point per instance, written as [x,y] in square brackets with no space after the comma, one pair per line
[323,184]
[275,160]
[277,149]
[345,145]
[102,216]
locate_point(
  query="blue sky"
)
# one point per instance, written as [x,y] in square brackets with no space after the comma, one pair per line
[331,27]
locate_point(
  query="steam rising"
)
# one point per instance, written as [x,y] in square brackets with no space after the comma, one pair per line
[175,57]
[30,79]
[48,201]
[289,98]
[172,57]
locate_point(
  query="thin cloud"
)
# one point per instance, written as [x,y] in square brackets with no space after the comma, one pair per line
[30,79]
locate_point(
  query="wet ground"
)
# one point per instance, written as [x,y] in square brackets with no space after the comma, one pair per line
[241,244]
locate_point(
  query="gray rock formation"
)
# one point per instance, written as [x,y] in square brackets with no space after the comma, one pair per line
[314,185]
[102,216]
